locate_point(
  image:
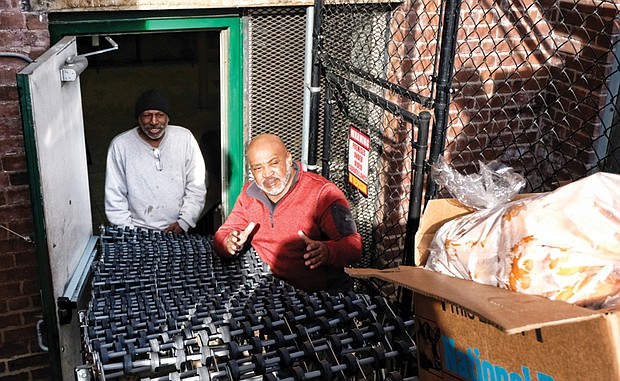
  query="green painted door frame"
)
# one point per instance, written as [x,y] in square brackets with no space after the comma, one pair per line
[61,25]
[48,303]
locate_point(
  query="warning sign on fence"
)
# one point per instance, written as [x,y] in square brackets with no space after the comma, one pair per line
[359,149]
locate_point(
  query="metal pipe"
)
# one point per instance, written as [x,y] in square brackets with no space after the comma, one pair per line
[114,46]
[16,55]
[305,134]
[372,97]
[315,89]
[327,131]
[336,63]
[43,347]
[417,186]
[444,81]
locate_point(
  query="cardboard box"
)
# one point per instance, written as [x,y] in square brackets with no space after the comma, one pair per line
[470,331]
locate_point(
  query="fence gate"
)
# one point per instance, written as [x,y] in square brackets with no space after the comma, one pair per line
[378,64]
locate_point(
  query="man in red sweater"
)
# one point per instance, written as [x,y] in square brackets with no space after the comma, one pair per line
[298,222]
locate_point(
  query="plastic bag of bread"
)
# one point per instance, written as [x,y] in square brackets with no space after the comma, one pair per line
[563,245]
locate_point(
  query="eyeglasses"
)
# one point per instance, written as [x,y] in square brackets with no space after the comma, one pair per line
[157,154]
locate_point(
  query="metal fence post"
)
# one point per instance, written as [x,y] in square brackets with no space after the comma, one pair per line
[417,185]
[315,88]
[444,80]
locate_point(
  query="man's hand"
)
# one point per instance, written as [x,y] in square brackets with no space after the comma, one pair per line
[175,228]
[236,239]
[316,251]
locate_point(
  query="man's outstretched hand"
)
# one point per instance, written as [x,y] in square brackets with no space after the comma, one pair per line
[316,252]
[236,239]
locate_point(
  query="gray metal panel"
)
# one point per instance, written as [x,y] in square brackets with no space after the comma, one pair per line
[276,42]
[59,137]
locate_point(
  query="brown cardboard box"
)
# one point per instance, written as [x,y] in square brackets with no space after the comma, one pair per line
[470,331]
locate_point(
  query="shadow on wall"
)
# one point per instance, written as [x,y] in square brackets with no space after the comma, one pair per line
[535,100]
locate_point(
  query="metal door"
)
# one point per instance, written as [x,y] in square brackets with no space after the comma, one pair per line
[56,154]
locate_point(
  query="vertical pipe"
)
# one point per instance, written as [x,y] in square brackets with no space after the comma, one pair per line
[415,201]
[315,88]
[327,130]
[305,134]
[417,185]
[444,80]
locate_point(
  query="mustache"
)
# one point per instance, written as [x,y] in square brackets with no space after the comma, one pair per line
[149,126]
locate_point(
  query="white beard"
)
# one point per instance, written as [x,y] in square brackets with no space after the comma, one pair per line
[280,188]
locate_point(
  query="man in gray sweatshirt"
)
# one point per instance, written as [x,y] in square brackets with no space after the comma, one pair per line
[155,172]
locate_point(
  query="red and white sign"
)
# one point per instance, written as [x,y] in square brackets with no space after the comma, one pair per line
[359,151]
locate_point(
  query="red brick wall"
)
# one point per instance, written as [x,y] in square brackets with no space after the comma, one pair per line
[480,115]
[531,80]
[587,78]
[20,304]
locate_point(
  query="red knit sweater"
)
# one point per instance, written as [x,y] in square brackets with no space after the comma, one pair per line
[308,206]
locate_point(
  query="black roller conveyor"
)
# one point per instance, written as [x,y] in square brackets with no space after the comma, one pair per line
[165,307]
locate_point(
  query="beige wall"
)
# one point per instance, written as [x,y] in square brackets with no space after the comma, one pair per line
[118,5]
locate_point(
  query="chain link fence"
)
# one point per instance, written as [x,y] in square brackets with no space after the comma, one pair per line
[533,85]
[377,70]
[536,87]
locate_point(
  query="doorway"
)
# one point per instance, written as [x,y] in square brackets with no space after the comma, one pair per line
[185,67]
[195,60]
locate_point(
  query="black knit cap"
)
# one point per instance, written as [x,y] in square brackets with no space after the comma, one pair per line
[152,100]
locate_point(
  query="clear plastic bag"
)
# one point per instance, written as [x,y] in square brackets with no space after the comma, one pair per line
[563,245]
[468,248]
[495,184]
